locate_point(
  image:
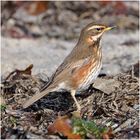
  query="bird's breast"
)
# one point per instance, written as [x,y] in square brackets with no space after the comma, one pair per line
[90,76]
[86,74]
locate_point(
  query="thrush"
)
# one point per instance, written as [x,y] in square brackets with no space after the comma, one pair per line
[80,68]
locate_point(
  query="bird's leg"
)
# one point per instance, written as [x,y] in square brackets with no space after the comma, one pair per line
[73,92]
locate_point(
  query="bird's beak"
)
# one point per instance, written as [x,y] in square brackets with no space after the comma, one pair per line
[110,28]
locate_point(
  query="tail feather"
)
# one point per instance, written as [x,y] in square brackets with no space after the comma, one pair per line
[36,97]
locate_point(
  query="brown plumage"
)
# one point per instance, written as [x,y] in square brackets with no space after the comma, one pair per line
[80,68]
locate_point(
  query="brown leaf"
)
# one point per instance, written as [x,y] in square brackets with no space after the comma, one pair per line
[120,7]
[17,72]
[108,135]
[27,71]
[63,125]
[106,85]
[36,8]
[105,3]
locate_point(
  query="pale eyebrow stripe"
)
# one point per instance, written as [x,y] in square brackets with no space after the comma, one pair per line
[94,26]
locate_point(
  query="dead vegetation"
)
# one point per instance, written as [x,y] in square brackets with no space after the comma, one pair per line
[113,104]
[110,107]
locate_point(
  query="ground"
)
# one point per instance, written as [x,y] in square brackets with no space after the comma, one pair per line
[44,38]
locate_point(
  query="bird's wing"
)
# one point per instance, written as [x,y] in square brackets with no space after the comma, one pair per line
[67,67]
[60,78]
[69,70]
[78,64]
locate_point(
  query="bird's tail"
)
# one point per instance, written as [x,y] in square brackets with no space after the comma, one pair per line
[37,96]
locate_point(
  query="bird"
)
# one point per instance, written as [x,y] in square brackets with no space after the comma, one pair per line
[80,68]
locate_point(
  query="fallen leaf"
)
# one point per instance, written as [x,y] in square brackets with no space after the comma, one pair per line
[107,135]
[17,72]
[106,85]
[63,125]
[36,7]
[77,128]
[105,3]
[120,7]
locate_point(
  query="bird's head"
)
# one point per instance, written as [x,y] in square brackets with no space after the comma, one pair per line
[93,32]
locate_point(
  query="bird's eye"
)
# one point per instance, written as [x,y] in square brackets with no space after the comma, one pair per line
[98,29]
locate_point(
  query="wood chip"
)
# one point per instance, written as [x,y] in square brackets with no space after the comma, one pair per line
[106,85]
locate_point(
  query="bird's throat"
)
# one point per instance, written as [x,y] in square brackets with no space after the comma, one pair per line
[96,49]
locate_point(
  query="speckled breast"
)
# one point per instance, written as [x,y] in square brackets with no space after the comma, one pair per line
[90,71]
[91,75]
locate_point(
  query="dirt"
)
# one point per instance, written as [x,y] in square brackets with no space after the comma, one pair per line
[44,37]
[117,109]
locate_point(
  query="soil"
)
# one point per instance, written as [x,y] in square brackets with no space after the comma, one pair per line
[44,37]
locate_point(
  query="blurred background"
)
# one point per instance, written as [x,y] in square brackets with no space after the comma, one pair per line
[43,33]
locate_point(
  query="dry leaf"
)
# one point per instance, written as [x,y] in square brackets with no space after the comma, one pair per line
[104,2]
[63,125]
[106,85]
[107,135]
[17,72]
[36,8]
[120,7]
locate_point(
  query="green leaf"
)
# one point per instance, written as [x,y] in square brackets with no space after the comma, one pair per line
[2,107]
[84,127]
